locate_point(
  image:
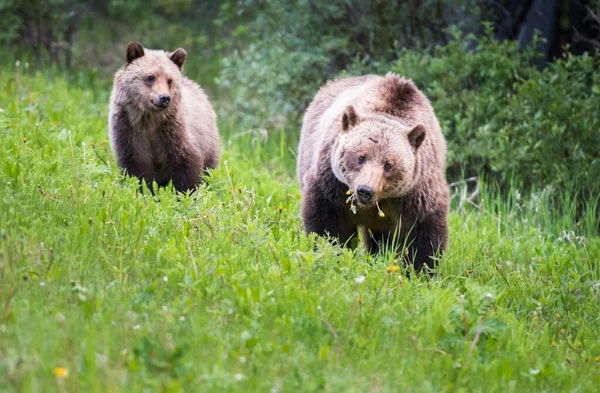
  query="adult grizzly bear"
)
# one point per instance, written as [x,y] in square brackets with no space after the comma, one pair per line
[162,126]
[371,158]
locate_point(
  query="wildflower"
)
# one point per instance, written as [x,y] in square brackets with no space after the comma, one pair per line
[359,300]
[240,189]
[557,315]
[17,63]
[42,284]
[360,279]
[392,269]
[60,372]
[280,208]
[562,331]
[238,376]
[395,262]
[24,140]
[166,278]
[597,359]
[136,327]
[242,359]
[182,318]
[553,344]
[379,212]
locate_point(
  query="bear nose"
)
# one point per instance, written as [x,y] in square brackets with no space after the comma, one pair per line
[164,100]
[365,193]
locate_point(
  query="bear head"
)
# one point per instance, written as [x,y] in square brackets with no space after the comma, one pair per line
[152,78]
[377,156]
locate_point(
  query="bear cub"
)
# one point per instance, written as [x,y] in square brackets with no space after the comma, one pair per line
[162,126]
[372,158]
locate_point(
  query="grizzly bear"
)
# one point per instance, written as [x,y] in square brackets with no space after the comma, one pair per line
[371,158]
[162,126]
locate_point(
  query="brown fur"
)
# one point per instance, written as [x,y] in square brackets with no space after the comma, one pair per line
[389,123]
[177,143]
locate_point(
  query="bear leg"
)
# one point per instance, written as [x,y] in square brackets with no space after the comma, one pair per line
[323,218]
[429,239]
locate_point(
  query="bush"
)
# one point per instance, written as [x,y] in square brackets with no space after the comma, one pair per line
[505,118]
[502,116]
[297,46]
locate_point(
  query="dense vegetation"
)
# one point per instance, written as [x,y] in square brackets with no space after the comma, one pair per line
[221,290]
[105,288]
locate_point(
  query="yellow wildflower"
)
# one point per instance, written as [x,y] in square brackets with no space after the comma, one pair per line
[280,208]
[24,140]
[392,269]
[553,344]
[60,372]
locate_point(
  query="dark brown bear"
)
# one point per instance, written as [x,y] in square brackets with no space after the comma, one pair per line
[162,126]
[371,158]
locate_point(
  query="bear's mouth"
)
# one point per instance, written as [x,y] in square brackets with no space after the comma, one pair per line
[158,107]
[366,205]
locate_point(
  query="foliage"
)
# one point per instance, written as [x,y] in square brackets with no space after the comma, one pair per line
[296,46]
[505,118]
[45,28]
[104,288]
[502,116]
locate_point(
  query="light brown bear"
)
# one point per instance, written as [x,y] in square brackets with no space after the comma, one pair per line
[372,158]
[162,126]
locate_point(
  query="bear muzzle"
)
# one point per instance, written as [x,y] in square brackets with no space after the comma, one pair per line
[365,194]
[162,101]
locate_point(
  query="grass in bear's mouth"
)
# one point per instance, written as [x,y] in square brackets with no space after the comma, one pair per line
[104,289]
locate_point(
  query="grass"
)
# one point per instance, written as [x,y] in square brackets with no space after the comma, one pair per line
[105,289]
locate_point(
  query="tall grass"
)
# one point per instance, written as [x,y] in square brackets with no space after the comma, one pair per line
[104,288]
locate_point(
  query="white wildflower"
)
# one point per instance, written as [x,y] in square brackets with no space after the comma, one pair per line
[360,279]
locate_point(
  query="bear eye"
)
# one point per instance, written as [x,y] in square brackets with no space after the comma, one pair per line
[169,81]
[150,78]
[387,167]
[362,159]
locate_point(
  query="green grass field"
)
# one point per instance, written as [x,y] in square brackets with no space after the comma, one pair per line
[106,289]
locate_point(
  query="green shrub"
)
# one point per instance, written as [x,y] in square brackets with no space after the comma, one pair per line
[297,46]
[505,118]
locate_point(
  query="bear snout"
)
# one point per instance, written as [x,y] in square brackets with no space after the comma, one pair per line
[162,101]
[365,194]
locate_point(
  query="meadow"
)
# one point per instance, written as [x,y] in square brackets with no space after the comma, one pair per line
[104,288]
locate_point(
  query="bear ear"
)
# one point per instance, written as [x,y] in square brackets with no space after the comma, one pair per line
[416,136]
[349,118]
[178,57]
[135,50]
